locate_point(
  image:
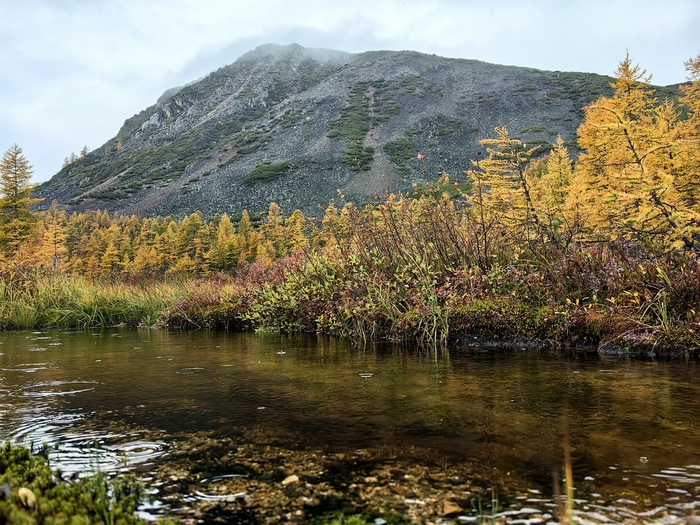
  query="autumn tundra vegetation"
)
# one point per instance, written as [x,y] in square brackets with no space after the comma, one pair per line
[595,246]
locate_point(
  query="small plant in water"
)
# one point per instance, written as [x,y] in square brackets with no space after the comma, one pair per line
[38,495]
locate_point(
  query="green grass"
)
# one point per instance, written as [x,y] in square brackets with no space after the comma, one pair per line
[39,298]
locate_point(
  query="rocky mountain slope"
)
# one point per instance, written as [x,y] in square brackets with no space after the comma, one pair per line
[295,125]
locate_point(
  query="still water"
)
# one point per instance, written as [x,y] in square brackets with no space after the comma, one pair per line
[633,426]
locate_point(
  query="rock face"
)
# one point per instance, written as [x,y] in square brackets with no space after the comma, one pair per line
[295,125]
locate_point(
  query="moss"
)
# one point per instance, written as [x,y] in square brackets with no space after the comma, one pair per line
[508,318]
[96,499]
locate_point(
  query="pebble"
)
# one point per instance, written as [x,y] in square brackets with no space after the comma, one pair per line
[290,480]
[450,508]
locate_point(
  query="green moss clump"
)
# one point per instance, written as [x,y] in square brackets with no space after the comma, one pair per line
[39,496]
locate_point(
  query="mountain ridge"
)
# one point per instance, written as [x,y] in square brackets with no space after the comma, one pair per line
[294,125]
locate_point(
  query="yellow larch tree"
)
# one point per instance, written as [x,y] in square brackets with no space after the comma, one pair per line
[224,254]
[110,262]
[53,251]
[202,250]
[295,229]
[622,181]
[501,190]
[246,239]
[326,239]
[18,225]
[272,232]
[686,162]
[550,178]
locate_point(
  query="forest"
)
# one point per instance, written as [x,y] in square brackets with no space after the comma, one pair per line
[596,246]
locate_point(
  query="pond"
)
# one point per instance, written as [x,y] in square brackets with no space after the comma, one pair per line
[214,423]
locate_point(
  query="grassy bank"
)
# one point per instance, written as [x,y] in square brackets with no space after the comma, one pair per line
[32,297]
[615,297]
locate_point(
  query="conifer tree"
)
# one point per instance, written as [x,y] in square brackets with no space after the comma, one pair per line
[202,250]
[186,233]
[18,225]
[551,178]
[145,261]
[265,253]
[501,189]
[295,227]
[273,230]
[330,229]
[622,180]
[246,239]
[686,161]
[224,252]
[54,237]
[110,261]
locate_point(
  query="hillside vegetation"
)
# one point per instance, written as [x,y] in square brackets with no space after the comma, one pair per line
[292,125]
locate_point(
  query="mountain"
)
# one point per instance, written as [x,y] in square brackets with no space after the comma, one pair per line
[295,125]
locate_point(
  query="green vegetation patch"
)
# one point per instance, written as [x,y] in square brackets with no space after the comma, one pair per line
[415,85]
[400,151]
[38,496]
[266,172]
[109,194]
[370,104]
[441,130]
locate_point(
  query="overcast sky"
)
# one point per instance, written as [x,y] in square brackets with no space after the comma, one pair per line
[74,70]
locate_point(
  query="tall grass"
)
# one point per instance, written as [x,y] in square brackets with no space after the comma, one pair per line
[39,298]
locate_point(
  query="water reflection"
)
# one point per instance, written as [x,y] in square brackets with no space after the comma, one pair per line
[632,424]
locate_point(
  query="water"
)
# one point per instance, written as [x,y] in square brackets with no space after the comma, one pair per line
[119,400]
